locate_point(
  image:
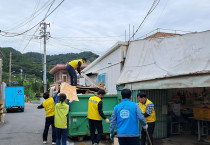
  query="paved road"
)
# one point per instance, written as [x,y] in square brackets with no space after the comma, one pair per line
[26,128]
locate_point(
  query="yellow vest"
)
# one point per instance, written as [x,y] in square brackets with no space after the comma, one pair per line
[74,63]
[49,106]
[93,108]
[61,111]
[152,117]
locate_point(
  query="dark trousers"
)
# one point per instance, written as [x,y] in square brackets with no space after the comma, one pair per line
[151,127]
[61,134]
[49,121]
[93,125]
[129,140]
[72,74]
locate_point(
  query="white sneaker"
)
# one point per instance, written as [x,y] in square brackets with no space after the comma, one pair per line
[53,142]
[44,142]
[95,144]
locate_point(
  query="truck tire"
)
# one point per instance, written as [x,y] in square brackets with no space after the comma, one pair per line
[22,110]
[8,110]
[81,138]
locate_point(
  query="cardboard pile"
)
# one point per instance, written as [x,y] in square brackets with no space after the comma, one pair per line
[70,91]
[87,90]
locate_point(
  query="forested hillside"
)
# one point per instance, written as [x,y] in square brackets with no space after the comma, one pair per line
[31,62]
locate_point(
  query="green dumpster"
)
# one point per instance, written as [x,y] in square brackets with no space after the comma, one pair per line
[78,122]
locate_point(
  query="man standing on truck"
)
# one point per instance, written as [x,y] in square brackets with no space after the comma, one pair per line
[147,108]
[95,113]
[71,66]
[49,106]
[125,116]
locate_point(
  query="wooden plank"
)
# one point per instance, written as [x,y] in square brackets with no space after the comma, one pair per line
[70,91]
[92,82]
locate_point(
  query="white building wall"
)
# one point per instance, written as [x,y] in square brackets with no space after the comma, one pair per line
[110,65]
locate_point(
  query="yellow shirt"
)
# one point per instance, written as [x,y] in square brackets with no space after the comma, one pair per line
[49,106]
[74,63]
[61,112]
[93,108]
[152,117]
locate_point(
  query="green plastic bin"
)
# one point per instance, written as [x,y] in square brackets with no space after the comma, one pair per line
[78,122]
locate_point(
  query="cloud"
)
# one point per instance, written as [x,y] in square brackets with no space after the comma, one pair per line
[87,18]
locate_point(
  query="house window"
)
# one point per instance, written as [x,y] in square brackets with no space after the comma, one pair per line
[64,77]
[57,77]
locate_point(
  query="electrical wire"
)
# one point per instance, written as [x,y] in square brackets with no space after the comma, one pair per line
[38,26]
[103,40]
[60,45]
[152,8]
[31,17]
[35,9]
[89,37]
[17,34]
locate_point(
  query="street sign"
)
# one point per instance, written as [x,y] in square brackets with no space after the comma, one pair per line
[15,82]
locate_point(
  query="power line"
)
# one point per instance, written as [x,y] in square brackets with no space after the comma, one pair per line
[35,9]
[97,40]
[31,17]
[17,34]
[152,8]
[38,27]
[89,37]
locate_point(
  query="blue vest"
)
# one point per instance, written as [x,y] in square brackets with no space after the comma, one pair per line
[127,122]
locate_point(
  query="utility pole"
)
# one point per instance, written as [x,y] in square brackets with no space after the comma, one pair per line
[10,68]
[1,64]
[44,34]
[21,73]
[1,99]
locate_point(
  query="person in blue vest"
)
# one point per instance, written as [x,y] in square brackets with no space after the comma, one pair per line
[125,116]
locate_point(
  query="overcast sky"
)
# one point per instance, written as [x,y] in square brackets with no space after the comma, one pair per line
[96,25]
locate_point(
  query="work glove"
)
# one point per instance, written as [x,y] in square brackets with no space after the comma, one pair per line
[112,137]
[107,120]
[71,100]
[145,127]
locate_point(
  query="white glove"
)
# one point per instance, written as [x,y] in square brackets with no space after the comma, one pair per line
[145,127]
[71,100]
[107,120]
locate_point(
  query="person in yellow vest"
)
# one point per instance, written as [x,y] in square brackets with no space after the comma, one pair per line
[71,66]
[49,106]
[147,108]
[95,115]
[61,121]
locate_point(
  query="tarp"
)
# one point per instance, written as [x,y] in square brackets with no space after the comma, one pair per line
[70,91]
[166,57]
